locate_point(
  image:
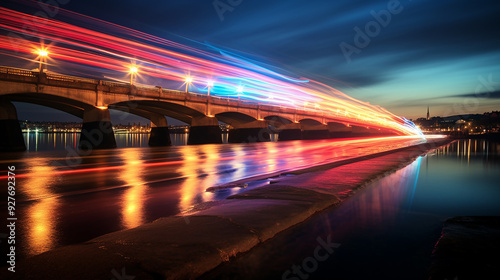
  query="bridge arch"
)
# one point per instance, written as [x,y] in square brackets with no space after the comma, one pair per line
[173,110]
[313,128]
[310,122]
[70,106]
[235,119]
[278,122]
[96,132]
[204,129]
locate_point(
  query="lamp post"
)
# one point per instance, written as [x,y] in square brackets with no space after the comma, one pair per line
[239,90]
[189,80]
[42,54]
[133,71]
[210,84]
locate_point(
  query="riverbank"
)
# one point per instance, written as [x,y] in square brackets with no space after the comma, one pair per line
[185,247]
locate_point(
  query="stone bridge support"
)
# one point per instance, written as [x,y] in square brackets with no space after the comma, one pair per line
[291,131]
[312,132]
[339,130]
[205,130]
[255,131]
[362,131]
[12,136]
[159,135]
[97,131]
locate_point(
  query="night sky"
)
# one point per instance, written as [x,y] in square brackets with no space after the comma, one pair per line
[445,54]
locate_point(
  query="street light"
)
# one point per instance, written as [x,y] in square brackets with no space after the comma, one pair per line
[239,90]
[189,80]
[133,71]
[209,85]
[42,54]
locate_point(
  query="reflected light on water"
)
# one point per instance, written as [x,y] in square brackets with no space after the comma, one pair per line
[271,161]
[210,167]
[382,203]
[134,196]
[188,169]
[40,221]
[238,163]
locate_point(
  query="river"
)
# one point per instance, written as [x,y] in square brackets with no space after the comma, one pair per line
[63,198]
[389,229]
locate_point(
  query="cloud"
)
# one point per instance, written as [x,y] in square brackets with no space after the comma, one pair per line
[486,95]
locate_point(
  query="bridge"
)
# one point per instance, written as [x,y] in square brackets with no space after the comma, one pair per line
[91,99]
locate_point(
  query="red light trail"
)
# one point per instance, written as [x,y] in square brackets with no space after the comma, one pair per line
[220,72]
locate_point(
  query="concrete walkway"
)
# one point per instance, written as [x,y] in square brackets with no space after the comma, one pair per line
[185,247]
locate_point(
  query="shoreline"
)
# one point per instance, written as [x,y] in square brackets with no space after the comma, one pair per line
[185,247]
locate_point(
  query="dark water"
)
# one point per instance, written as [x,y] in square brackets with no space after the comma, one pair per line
[388,230]
[63,198]
[59,141]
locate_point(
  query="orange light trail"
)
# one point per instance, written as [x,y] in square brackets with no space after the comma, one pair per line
[222,73]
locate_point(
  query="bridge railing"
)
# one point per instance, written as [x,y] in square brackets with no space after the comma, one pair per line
[71,79]
[17,71]
[114,84]
[124,88]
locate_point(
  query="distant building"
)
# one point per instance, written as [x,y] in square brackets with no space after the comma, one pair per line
[428,113]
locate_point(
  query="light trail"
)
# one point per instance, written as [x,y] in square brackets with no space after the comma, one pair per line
[117,48]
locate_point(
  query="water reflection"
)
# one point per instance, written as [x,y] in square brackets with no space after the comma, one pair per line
[390,227]
[467,148]
[200,169]
[141,185]
[39,221]
[133,198]
[36,141]
[382,203]
[189,187]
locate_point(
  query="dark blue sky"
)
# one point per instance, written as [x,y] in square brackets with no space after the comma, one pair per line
[437,53]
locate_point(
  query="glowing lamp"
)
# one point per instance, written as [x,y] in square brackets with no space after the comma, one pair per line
[189,80]
[41,52]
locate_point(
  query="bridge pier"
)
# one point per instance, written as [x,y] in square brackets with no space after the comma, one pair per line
[361,131]
[12,137]
[204,130]
[339,130]
[291,131]
[315,132]
[159,135]
[255,131]
[97,131]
